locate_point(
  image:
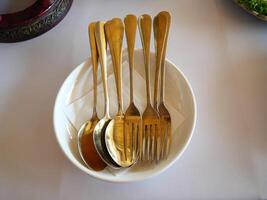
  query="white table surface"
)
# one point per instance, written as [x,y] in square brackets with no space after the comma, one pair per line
[223,52]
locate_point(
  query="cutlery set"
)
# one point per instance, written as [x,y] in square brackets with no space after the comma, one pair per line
[127,138]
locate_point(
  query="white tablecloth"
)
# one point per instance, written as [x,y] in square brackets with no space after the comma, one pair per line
[223,52]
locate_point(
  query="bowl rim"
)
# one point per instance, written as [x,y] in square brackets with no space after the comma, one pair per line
[108,179]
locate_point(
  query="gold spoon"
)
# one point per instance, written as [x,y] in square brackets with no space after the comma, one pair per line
[85,135]
[99,131]
[115,133]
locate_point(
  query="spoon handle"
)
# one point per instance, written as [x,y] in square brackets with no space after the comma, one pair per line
[144,24]
[162,74]
[160,24]
[101,47]
[94,59]
[130,22]
[114,30]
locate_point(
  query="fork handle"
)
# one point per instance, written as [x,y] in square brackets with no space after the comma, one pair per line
[130,22]
[101,47]
[162,74]
[160,31]
[94,59]
[114,33]
[144,24]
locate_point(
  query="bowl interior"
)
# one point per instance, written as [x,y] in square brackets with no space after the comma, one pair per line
[178,95]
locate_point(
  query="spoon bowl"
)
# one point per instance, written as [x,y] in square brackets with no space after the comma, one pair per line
[99,131]
[115,142]
[86,145]
[115,133]
[99,142]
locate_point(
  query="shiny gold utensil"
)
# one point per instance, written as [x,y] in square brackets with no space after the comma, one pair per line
[99,131]
[115,135]
[161,27]
[133,122]
[150,116]
[85,135]
[165,116]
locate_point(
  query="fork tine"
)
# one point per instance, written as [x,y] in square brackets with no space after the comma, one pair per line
[168,142]
[153,136]
[158,142]
[139,134]
[148,142]
[164,147]
[143,143]
[140,140]
[129,142]
[152,139]
[163,139]
[127,139]
[132,142]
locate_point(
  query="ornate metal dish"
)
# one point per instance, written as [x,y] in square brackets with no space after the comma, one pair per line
[35,20]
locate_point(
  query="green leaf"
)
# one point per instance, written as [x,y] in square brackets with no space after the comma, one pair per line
[260,6]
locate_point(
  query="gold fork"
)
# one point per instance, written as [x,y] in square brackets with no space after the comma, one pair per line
[160,32]
[133,125]
[150,116]
[164,20]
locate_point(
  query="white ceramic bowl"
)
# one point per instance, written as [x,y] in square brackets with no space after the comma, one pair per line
[179,94]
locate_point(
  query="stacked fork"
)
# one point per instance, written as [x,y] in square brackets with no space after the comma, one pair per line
[156,120]
[148,136]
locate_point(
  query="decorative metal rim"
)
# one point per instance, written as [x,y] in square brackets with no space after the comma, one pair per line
[37,25]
